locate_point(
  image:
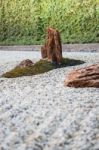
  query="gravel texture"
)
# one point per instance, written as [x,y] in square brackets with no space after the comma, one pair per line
[39,113]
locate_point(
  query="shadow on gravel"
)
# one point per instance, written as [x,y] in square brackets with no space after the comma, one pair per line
[40,67]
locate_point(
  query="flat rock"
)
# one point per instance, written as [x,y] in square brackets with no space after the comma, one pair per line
[25,63]
[84,77]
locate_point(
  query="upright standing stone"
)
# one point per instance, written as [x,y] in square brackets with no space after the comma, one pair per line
[53,47]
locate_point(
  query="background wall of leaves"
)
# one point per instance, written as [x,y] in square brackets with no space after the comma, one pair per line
[25,21]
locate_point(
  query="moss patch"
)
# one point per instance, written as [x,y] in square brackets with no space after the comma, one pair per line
[39,67]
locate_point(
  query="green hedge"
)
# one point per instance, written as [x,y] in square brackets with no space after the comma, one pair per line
[25,21]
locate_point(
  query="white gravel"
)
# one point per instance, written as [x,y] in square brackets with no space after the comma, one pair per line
[39,113]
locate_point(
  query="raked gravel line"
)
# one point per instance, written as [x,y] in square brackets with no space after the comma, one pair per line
[39,113]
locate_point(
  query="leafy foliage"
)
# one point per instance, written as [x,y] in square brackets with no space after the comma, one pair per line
[77,20]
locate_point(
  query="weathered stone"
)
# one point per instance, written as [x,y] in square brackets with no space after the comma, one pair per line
[43,52]
[85,77]
[25,63]
[53,47]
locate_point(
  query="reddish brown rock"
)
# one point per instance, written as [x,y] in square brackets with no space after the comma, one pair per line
[53,47]
[43,52]
[85,77]
[25,63]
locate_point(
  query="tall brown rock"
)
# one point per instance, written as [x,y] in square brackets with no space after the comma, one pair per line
[53,47]
[85,77]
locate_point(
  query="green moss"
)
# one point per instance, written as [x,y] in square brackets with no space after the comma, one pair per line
[40,67]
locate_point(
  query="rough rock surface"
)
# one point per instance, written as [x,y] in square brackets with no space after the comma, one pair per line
[44,52]
[53,47]
[25,63]
[84,77]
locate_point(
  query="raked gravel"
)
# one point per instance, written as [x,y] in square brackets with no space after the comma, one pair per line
[40,113]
